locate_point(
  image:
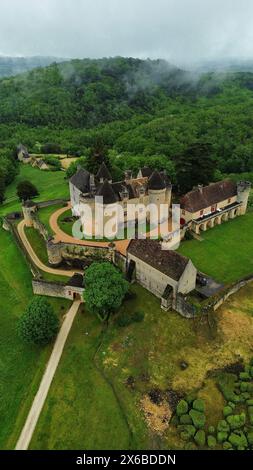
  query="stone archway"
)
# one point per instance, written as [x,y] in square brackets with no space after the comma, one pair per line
[224,217]
[232,214]
[217,221]
[202,227]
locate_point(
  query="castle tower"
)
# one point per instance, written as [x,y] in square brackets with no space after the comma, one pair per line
[54,252]
[29,208]
[104,174]
[157,190]
[243,192]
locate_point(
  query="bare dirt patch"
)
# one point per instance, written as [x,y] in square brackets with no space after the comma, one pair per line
[157,415]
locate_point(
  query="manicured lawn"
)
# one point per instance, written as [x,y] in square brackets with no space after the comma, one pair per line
[45,214]
[81,411]
[50,184]
[21,366]
[38,245]
[226,252]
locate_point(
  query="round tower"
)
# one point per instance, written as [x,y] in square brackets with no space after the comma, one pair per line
[29,208]
[54,253]
[243,192]
[157,191]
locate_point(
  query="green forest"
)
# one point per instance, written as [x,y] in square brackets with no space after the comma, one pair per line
[198,126]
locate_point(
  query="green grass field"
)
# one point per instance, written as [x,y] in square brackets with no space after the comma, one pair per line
[83,412]
[21,366]
[45,214]
[39,246]
[50,184]
[226,252]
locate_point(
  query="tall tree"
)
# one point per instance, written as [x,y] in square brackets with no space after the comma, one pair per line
[26,190]
[98,155]
[39,324]
[196,165]
[2,190]
[105,289]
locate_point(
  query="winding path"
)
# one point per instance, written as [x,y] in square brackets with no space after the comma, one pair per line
[60,236]
[36,260]
[40,398]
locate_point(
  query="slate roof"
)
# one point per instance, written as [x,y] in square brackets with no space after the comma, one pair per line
[106,191]
[81,180]
[156,181]
[168,262]
[202,198]
[146,172]
[22,148]
[103,173]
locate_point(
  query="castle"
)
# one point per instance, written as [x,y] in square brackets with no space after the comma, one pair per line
[149,187]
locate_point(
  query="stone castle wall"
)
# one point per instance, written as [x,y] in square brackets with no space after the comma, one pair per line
[56,289]
[58,252]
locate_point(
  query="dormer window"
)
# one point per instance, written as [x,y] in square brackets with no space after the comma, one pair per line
[142,191]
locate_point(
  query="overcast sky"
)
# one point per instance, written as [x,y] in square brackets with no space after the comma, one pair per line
[178,30]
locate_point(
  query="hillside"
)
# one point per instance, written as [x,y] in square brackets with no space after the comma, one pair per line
[10,66]
[136,108]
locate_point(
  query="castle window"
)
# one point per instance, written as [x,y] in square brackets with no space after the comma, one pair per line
[229,200]
[183,212]
[201,213]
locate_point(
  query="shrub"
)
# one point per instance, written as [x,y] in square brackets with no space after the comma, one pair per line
[185,419]
[244,386]
[185,436]
[200,438]
[222,436]
[199,405]
[227,410]
[123,320]
[223,426]
[188,429]
[238,440]
[227,445]
[245,396]
[39,324]
[211,442]
[236,421]
[190,446]
[211,429]
[251,371]
[182,408]
[227,385]
[138,316]
[244,376]
[231,404]
[250,438]
[198,419]
[174,420]
[191,397]
[250,402]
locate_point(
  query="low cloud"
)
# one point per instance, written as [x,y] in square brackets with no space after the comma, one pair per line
[181,31]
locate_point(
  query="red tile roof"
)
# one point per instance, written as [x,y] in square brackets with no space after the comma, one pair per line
[207,196]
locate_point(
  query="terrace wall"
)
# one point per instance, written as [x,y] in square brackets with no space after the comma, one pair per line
[56,289]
